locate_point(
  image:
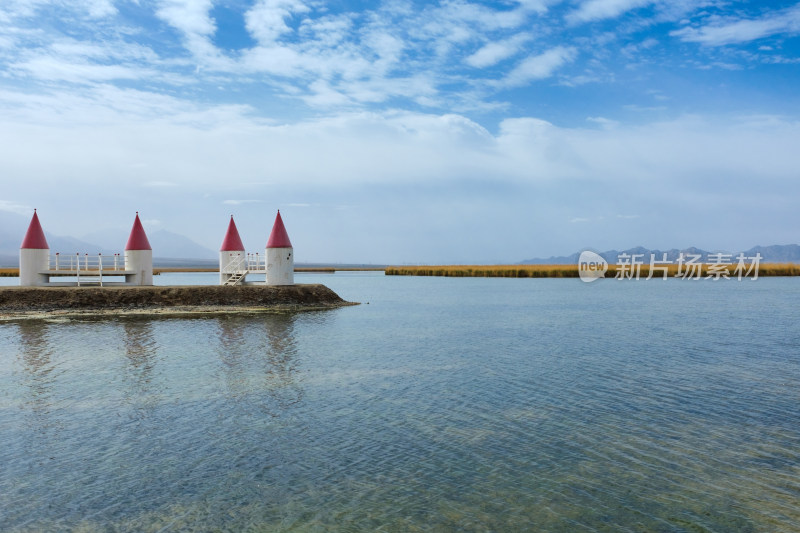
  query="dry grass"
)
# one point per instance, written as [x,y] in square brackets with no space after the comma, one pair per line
[779,269]
[351,269]
[487,271]
[565,271]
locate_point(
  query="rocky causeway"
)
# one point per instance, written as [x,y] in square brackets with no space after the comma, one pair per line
[44,302]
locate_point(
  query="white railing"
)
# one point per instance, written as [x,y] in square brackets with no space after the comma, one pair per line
[247,262]
[256,261]
[87,263]
[236,265]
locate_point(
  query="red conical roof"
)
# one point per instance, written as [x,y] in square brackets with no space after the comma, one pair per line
[232,242]
[34,237]
[279,238]
[138,238]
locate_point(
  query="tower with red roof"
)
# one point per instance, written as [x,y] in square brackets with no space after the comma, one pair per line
[231,254]
[138,256]
[280,255]
[34,256]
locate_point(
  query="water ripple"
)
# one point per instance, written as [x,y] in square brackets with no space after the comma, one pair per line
[500,405]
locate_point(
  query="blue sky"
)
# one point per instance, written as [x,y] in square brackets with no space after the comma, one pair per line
[407,131]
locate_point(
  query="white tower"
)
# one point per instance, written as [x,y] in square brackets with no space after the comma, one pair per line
[138,256]
[34,256]
[230,253]
[280,255]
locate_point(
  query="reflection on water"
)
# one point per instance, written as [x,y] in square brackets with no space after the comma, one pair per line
[259,357]
[39,375]
[141,352]
[281,372]
[140,348]
[444,405]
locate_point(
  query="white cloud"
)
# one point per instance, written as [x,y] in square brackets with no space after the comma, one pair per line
[643,109]
[13,207]
[386,49]
[100,8]
[50,68]
[732,31]
[15,9]
[455,16]
[490,54]
[539,6]
[190,16]
[193,20]
[327,31]
[266,20]
[323,95]
[494,52]
[240,202]
[152,223]
[279,60]
[602,121]
[635,49]
[95,9]
[676,151]
[380,89]
[86,62]
[591,10]
[539,67]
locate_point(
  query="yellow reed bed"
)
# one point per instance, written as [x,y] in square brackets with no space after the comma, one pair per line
[566,271]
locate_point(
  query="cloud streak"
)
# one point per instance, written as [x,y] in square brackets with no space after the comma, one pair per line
[539,67]
[724,31]
[494,52]
[592,10]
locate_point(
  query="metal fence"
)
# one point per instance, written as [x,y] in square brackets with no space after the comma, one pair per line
[87,263]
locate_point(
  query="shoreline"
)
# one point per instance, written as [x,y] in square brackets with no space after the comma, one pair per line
[185,300]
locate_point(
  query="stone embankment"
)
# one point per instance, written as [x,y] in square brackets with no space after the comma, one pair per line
[46,301]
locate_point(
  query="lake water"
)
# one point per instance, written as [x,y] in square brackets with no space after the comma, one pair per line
[439,404]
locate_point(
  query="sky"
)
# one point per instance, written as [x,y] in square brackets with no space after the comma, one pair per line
[407,132]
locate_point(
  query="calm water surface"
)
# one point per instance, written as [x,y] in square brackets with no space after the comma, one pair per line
[441,405]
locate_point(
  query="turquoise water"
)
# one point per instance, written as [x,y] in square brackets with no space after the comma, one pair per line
[441,405]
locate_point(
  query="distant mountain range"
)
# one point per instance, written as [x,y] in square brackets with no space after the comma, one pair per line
[777,253]
[168,248]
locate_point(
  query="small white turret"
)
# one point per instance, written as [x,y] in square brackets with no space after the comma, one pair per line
[231,254]
[34,256]
[138,256]
[280,255]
